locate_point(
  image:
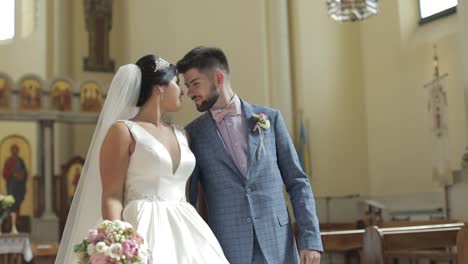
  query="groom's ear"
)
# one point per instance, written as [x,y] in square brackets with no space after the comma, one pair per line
[219,78]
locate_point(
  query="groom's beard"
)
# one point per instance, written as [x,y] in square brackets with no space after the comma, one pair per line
[210,101]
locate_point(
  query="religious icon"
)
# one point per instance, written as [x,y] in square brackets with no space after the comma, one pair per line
[30,94]
[73,177]
[90,97]
[15,160]
[61,96]
[5,92]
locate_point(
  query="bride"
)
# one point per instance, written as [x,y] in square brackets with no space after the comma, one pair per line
[143,165]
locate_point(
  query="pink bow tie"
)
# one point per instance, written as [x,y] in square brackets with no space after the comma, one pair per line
[229,110]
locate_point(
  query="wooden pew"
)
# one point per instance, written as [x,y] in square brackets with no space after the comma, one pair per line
[403,223]
[416,242]
[45,253]
[338,226]
[342,241]
[347,242]
[342,238]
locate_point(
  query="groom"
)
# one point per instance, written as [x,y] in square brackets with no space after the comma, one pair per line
[244,155]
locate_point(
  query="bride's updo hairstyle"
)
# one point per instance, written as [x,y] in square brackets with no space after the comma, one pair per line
[154,71]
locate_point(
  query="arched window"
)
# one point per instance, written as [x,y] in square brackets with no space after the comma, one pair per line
[7,19]
[430,10]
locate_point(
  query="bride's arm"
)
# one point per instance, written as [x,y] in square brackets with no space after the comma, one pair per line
[113,160]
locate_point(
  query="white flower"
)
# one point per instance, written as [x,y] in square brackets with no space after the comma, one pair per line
[261,124]
[91,249]
[261,121]
[115,250]
[105,223]
[121,224]
[265,125]
[101,247]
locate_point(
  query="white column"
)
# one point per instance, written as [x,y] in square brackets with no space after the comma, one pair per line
[59,38]
[48,157]
[279,58]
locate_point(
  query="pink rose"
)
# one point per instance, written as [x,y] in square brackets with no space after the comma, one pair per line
[130,249]
[109,230]
[99,258]
[100,238]
[92,234]
[137,238]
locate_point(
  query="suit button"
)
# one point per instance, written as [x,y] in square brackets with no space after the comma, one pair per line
[249,190]
[249,219]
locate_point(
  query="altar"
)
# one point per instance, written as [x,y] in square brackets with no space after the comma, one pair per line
[14,248]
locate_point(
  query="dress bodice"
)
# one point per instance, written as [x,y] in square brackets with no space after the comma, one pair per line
[150,173]
[154,203]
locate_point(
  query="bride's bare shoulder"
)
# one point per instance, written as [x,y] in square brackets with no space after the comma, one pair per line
[119,131]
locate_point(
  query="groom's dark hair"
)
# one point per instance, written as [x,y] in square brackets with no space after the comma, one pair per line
[205,59]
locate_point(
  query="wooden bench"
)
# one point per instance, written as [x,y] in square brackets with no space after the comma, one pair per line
[45,253]
[347,242]
[341,241]
[342,238]
[416,242]
[405,223]
[338,226]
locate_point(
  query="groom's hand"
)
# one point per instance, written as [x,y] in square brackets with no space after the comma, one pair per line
[309,256]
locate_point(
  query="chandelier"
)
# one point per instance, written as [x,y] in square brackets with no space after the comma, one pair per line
[352,10]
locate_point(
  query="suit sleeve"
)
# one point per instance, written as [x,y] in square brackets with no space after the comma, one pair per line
[298,186]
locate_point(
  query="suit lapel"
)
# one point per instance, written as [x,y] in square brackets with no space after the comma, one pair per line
[252,137]
[219,146]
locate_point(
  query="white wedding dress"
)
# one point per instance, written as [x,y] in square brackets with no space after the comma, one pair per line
[155,203]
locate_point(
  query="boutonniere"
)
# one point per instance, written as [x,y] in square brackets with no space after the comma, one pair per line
[261,124]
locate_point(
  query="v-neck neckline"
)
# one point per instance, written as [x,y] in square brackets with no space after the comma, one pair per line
[174,170]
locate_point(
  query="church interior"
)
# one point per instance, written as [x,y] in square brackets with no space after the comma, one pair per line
[377,106]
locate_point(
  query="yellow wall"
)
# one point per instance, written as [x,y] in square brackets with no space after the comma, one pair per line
[359,84]
[397,62]
[32,48]
[138,28]
[328,77]
[165,34]
[170,29]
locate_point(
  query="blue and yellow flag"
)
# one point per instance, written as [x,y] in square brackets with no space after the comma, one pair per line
[303,149]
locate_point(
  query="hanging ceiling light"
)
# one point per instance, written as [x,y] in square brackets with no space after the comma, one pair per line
[352,10]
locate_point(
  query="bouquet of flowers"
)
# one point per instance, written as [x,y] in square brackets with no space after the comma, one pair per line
[112,242]
[6,202]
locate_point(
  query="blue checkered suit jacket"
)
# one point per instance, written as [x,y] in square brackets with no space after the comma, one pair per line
[238,207]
